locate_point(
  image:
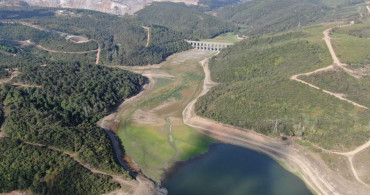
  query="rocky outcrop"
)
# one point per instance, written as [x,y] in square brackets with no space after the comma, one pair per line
[119,7]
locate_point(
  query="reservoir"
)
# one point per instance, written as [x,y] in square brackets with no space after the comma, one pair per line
[232,170]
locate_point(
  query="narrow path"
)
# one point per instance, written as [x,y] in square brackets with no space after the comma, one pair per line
[13,75]
[7,53]
[337,95]
[337,63]
[61,34]
[98,53]
[25,85]
[148,36]
[67,52]
[117,178]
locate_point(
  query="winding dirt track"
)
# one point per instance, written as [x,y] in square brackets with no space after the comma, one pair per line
[118,178]
[148,36]
[337,62]
[66,52]
[13,75]
[139,186]
[7,53]
[98,53]
[61,34]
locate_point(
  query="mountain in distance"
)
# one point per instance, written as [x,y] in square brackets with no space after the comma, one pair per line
[118,7]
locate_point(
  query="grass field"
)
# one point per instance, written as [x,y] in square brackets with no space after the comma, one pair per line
[224,38]
[351,49]
[152,130]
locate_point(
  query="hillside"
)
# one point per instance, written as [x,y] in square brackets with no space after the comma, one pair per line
[272,16]
[123,40]
[256,92]
[191,22]
[52,94]
[118,7]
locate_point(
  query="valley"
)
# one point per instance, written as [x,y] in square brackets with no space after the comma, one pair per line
[125,105]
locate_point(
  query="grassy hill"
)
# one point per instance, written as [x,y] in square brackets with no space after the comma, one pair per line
[272,16]
[256,91]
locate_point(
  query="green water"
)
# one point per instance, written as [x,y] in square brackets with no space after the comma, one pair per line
[232,170]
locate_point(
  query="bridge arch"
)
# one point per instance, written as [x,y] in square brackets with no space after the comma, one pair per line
[204,45]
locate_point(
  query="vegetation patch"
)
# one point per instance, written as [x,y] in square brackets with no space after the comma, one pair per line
[43,171]
[256,93]
[188,20]
[339,81]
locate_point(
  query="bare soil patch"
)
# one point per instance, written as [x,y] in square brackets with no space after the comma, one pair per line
[78,39]
[360,162]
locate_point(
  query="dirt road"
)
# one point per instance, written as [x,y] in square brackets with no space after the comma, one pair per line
[69,36]
[337,95]
[148,36]
[98,53]
[139,186]
[13,75]
[7,53]
[66,52]
[337,63]
[350,155]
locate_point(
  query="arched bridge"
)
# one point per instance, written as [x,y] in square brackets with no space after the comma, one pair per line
[213,46]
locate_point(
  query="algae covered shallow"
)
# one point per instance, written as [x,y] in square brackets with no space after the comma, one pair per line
[232,170]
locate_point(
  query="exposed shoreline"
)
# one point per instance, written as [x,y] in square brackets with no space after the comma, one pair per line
[306,164]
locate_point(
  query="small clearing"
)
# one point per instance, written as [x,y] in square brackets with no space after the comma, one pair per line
[14,74]
[78,39]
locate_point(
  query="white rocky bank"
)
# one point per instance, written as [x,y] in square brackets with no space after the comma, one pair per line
[119,7]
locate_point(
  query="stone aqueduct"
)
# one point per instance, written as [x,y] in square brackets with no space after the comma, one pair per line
[213,46]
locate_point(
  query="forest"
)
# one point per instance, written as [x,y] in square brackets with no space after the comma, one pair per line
[123,39]
[60,110]
[43,171]
[63,111]
[50,108]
